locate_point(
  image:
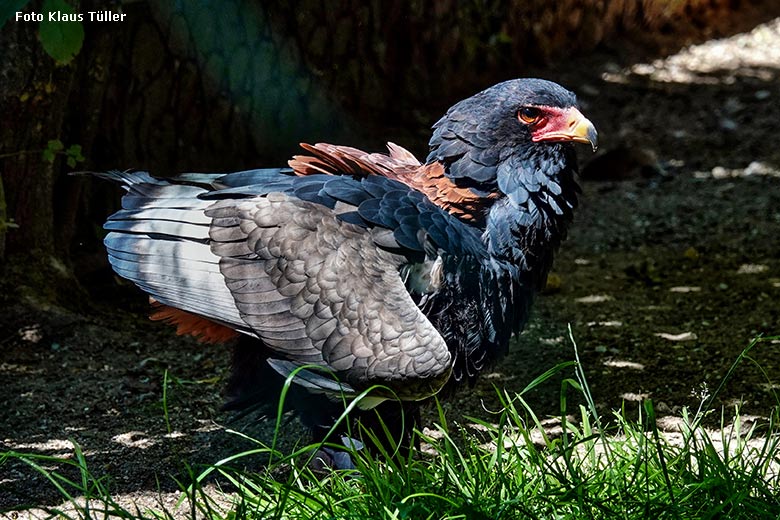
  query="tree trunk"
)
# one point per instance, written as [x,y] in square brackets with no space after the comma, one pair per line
[33,101]
[4,224]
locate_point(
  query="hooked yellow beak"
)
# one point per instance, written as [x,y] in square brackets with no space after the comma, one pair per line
[573,126]
[582,130]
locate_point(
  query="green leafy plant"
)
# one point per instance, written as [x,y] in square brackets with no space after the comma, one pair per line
[60,38]
[72,154]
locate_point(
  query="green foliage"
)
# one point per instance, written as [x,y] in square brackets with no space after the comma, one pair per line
[507,467]
[55,147]
[73,155]
[60,39]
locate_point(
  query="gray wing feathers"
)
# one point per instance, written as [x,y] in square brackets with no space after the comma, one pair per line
[178,230]
[315,289]
[318,290]
[166,214]
[161,244]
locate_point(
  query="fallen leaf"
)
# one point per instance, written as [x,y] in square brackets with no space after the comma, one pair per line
[617,363]
[553,284]
[752,268]
[594,298]
[631,396]
[684,336]
[685,289]
[605,324]
[691,253]
[32,333]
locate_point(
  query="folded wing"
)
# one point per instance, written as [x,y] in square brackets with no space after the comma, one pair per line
[312,266]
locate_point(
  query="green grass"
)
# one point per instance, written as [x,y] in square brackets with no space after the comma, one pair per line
[507,467]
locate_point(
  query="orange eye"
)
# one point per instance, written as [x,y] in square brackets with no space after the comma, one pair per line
[529,115]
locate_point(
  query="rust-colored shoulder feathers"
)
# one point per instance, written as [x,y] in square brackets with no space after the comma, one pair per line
[401,165]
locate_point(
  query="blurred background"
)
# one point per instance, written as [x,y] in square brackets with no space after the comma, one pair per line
[671,268]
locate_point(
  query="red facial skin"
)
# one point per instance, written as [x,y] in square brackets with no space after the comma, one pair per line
[554,124]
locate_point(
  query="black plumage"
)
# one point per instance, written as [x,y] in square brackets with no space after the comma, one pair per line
[378,268]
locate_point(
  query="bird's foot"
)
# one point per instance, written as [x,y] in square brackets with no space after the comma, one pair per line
[328,458]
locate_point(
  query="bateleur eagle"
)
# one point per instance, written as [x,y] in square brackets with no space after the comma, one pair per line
[379,268]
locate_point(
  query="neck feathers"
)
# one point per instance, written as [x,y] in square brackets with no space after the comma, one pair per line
[527,225]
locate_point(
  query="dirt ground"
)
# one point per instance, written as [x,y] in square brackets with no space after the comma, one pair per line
[671,268]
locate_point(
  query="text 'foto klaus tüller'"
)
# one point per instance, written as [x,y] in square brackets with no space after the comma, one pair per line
[59,16]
